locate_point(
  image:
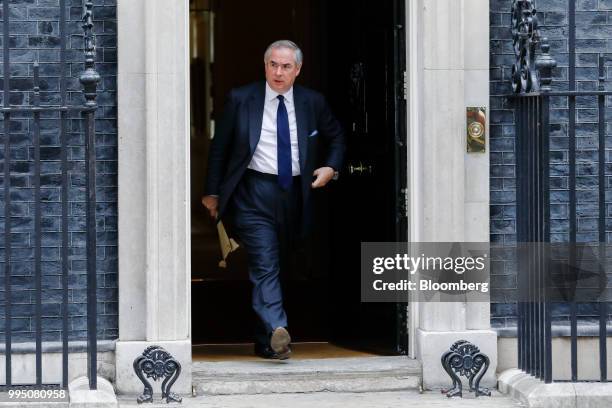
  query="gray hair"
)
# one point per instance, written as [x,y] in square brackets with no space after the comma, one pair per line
[299,57]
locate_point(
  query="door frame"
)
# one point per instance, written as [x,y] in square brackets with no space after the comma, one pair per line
[400,68]
[413,93]
[413,96]
[153,179]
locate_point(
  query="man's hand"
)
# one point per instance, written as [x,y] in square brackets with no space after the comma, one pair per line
[211,203]
[323,176]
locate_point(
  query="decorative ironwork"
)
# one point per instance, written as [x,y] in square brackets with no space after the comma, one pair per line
[526,38]
[156,363]
[90,77]
[532,113]
[545,64]
[464,358]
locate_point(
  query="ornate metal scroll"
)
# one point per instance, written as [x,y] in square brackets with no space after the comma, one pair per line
[90,77]
[465,359]
[525,38]
[528,71]
[156,363]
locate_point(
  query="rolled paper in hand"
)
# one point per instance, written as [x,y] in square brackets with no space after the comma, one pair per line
[226,243]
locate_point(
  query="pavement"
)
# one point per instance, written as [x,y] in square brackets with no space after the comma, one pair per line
[394,399]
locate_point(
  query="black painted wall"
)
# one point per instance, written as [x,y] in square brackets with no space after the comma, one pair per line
[593,36]
[34,36]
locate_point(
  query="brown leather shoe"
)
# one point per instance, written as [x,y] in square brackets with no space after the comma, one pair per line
[267,353]
[285,355]
[280,340]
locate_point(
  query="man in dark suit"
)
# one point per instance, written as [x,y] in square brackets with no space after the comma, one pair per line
[262,166]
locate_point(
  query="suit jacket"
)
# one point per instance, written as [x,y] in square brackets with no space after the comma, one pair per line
[238,130]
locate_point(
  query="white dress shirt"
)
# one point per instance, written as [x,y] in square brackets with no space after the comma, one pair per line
[265,156]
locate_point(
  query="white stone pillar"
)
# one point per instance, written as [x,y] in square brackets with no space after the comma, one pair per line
[154,212]
[476,93]
[454,201]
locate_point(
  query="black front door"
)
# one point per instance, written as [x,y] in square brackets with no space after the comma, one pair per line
[367,202]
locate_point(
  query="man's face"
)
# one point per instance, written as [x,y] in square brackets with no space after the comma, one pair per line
[281,69]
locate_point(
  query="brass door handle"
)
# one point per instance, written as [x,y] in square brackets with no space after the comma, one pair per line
[359,169]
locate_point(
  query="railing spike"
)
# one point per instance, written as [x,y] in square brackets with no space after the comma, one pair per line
[602,72]
[545,64]
[90,77]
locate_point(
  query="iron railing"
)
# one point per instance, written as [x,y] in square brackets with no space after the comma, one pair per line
[531,82]
[89,79]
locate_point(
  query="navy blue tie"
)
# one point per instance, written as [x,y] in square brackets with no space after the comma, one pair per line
[283,145]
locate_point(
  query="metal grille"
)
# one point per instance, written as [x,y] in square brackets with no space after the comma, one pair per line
[532,78]
[534,324]
[37,110]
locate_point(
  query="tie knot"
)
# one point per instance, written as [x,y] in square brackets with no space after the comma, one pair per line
[281,98]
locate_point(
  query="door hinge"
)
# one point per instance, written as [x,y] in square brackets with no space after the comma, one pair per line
[403,203]
[405,88]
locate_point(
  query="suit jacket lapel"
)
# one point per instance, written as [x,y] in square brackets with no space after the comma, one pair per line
[301,117]
[256,107]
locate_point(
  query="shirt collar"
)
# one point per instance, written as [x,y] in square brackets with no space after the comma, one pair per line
[271,94]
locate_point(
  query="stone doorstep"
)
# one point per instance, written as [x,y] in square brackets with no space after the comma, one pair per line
[533,393]
[365,374]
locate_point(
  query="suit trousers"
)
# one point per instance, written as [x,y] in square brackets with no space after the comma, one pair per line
[265,218]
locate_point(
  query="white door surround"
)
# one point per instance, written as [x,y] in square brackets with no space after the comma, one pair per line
[448,62]
[154,206]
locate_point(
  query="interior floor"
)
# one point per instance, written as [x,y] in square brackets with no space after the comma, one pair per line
[300,351]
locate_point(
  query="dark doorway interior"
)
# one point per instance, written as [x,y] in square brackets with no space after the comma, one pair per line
[353,55]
